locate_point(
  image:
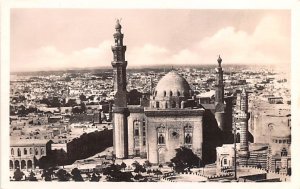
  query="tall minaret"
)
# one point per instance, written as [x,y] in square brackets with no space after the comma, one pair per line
[220,113]
[219,90]
[120,111]
[242,121]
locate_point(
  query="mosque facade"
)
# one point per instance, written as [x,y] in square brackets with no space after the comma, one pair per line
[171,119]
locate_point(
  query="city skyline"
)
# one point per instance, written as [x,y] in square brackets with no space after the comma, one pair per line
[74,39]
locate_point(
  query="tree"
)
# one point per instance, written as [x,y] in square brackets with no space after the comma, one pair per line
[157,172]
[184,158]
[171,165]
[138,167]
[149,171]
[47,173]
[160,166]
[147,164]
[18,174]
[63,175]
[82,97]
[95,178]
[32,176]
[123,165]
[76,175]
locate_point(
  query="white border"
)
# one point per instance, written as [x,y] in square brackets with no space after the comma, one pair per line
[293,5]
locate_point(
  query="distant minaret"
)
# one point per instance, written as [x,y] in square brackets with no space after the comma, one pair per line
[220,113]
[219,90]
[242,120]
[120,111]
[151,85]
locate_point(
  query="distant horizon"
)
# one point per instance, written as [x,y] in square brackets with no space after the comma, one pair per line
[169,66]
[59,39]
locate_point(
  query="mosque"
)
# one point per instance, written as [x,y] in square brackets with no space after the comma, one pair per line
[172,117]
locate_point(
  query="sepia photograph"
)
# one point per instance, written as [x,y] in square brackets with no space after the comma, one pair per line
[149,95]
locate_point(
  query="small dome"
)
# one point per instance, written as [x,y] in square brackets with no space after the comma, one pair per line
[281,131]
[172,84]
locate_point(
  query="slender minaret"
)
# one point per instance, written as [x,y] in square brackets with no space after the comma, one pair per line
[219,87]
[120,111]
[151,85]
[242,120]
[220,114]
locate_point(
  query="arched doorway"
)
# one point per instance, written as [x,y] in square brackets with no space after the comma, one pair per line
[17,164]
[29,164]
[23,164]
[11,164]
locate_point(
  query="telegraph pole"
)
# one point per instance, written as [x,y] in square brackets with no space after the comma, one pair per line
[234,142]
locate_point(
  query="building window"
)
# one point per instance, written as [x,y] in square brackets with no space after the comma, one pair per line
[12,152]
[157,104]
[136,132]
[30,150]
[165,93]
[284,152]
[136,128]
[42,151]
[144,122]
[161,139]
[171,93]
[144,141]
[279,141]
[25,151]
[178,93]
[188,139]
[19,152]
[225,161]
[36,152]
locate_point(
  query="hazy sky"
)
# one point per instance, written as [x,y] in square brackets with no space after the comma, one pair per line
[44,39]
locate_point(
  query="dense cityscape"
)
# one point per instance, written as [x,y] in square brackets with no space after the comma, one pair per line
[52,110]
[187,123]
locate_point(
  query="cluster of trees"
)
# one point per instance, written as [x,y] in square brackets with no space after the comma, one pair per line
[114,174]
[79,148]
[184,160]
[22,110]
[19,175]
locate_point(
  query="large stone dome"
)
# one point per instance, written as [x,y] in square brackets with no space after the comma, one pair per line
[171,85]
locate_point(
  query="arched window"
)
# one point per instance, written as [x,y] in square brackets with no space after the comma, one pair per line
[165,93]
[238,138]
[225,161]
[188,139]
[173,104]
[25,151]
[30,150]
[157,104]
[171,93]
[136,128]
[161,139]
[12,152]
[284,152]
[178,93]
[19,152]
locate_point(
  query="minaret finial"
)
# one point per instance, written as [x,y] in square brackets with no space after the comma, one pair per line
[118,25]
[219,60]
